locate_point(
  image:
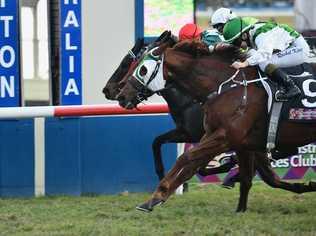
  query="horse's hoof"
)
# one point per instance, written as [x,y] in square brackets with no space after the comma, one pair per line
[312,185]
[227,186]
[144,207]
[149,205]
[229,183]
[185,187]
[203,172]
[241,210]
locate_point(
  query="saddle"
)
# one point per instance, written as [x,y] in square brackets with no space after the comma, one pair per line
[298,109]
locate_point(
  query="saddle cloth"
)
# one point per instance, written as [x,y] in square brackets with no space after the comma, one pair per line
[303,107]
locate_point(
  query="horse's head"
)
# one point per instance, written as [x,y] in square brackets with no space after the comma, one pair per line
[146,78]
[189,64]
[112,87]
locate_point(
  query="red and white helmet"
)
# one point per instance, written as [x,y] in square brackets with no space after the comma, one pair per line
[222,15]
[189,31]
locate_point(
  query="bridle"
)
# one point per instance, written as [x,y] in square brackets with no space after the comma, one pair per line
[137,81]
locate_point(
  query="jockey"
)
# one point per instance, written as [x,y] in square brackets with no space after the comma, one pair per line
[190,31]
[218,20]
[220,17]
[211,38]
[272,46]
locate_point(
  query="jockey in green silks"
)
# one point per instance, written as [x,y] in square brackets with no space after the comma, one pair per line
[272,46]
[218,20]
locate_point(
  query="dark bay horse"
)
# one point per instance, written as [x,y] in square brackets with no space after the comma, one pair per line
[234,120]
[185,111]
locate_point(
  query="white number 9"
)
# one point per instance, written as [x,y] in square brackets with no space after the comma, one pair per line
[308,93]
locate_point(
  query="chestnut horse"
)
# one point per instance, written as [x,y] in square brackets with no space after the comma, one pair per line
[185,111]
[235,120]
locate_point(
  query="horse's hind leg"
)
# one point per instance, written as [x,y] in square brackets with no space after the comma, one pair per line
[220,169]
[246,170]
[172,136]
[186,166]
[262,164]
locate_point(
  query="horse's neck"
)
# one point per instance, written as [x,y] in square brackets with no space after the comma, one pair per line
[202,79]
[177,99]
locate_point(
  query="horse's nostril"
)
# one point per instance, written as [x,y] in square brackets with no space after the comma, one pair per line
[120,98]
[106,92]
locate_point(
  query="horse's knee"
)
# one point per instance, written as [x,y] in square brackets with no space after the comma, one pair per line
[245,184]
[269,179]
[273,183]
[156,144]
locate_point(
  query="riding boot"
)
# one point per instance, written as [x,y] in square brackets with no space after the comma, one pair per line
[288,87]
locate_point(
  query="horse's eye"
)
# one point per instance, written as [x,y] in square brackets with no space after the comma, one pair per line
[143,71]
[121,85]
[126,63]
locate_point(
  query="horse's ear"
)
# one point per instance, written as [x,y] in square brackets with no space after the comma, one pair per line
[166,37]
[174,38]
[163,35]
[138,45]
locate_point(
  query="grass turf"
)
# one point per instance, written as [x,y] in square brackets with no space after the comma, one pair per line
[205,210]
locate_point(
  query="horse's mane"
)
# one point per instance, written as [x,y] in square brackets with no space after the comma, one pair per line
[225,52]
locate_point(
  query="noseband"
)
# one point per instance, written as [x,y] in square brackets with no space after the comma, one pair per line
[142,87]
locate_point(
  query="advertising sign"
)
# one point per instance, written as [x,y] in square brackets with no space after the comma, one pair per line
[71,82]
[299,166]
[9,54]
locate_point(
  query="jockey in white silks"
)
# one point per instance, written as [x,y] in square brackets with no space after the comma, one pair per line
[220,17]
[272,46]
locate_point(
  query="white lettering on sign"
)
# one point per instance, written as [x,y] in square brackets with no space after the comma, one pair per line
[71,51]
[2,3]
[75,2]
[300,161]
[71,64]
[6,22]
[11,61]
[6,86]
[71,87]
[71,19]
[308,93]
[310,148]
[68,44]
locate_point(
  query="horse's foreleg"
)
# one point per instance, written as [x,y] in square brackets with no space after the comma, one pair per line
[263,166]
[186,166]
[246,170]
[172,136]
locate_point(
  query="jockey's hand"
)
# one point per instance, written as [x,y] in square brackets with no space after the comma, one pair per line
[238,65]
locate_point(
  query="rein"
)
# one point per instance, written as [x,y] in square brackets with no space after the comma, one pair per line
[244,82]
[133,56]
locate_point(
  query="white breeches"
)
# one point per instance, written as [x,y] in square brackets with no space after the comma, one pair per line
[295,55]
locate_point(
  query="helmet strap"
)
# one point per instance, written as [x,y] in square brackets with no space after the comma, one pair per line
[244,36]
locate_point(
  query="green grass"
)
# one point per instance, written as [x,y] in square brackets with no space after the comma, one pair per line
[205,210]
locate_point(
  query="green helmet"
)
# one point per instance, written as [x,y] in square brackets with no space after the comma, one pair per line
[235,27]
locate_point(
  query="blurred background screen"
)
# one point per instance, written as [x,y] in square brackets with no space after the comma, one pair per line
[160,15]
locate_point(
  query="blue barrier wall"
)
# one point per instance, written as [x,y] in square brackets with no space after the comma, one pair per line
[16,158]
[97,155]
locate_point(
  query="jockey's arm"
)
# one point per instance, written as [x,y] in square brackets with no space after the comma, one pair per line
[263,51]
[256,56]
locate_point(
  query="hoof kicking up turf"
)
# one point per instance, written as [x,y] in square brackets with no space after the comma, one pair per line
[149,205]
